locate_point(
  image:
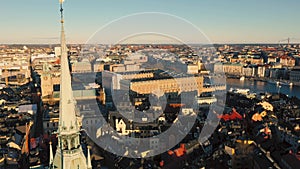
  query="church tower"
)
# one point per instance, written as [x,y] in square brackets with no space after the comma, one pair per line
[69,154]
[46,81]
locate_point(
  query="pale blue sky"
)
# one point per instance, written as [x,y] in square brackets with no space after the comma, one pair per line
[222,21]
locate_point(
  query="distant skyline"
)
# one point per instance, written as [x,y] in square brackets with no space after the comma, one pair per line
[222,21]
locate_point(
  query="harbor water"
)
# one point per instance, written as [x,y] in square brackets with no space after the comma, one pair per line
[262,86]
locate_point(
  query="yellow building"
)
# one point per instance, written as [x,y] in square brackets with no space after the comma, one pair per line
[168,85]
[233,68]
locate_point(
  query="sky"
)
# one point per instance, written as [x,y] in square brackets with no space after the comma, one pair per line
[220,21]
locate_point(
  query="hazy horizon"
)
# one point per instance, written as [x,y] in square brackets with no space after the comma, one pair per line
[222,22]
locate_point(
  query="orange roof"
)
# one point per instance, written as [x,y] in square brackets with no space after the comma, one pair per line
[57,61]
[176,105]
[267,130]
[257,117]
[161,163]
[170,152]
[234,115]
[179,151]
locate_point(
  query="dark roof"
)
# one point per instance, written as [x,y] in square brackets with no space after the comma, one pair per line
[21,129]
[291,160]
[263,161]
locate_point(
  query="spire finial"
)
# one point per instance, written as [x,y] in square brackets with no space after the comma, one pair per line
[61,11]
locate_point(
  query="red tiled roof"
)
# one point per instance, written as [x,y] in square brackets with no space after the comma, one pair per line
[178,152]
[234,115]
[161,163]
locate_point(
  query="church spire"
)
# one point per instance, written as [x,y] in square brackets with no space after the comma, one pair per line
[67,117]
[69,153]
